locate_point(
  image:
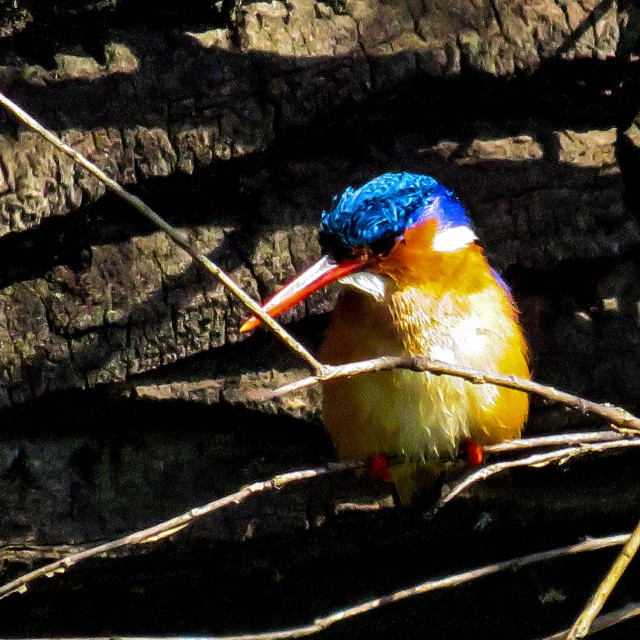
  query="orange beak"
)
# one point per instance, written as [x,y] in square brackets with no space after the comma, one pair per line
[322,273]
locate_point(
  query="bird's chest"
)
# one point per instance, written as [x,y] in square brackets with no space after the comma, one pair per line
[412,321]
[451,327]
[403,411]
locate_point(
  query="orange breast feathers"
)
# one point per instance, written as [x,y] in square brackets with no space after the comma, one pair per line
[447,306]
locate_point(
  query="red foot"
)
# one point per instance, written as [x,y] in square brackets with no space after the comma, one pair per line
[475,454]
[379,467]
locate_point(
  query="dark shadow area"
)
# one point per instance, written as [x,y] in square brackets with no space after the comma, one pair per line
[581,321]
[105,415]
[92,466]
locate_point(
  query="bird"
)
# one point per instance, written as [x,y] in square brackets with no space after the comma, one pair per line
[414,282]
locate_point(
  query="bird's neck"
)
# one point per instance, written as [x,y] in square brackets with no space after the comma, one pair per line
[426,298]
[436,274]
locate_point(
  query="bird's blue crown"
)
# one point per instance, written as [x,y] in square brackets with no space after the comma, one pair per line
[386,206]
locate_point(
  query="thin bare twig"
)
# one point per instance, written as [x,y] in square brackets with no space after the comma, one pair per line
[557,439]
[582,625]
[322,623]
[616,415]
[534,460]
[605,621]
[169,527]
[179,238]
[602,622]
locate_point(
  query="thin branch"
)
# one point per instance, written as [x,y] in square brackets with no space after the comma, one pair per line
[322,623]
[605,621]
[602,622]
[556,440]
[582,625]
[616,415]
[179,238]
[534,460]
[169,527]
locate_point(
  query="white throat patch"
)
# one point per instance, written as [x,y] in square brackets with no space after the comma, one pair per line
[453,239]
[369,283]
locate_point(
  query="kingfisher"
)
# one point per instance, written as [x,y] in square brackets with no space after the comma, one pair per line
[415,282]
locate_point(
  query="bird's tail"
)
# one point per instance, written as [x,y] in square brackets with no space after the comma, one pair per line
[416,478]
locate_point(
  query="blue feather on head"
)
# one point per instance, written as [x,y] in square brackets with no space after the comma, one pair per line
[383,208]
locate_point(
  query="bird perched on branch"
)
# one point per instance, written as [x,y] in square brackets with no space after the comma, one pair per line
[415,282]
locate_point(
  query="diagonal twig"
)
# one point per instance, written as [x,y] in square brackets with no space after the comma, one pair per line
[582,625]
[179,238]
[534,460]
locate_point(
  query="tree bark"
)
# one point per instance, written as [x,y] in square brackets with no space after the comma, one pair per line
[238,122]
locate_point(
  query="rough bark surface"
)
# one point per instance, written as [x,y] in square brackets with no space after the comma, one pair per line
[238,122]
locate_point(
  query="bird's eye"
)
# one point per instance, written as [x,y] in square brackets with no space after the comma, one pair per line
[382,246]
[330,245]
